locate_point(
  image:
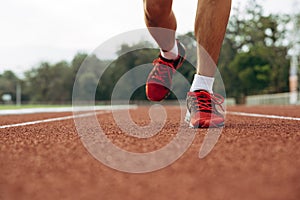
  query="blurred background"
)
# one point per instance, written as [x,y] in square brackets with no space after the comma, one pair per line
[43,43]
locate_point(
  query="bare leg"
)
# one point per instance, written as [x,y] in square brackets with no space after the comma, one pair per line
[159,14]
[210,27]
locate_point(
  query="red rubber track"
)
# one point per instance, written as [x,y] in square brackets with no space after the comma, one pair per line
[255,158]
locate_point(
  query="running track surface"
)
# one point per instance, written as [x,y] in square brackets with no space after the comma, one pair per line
[254,158]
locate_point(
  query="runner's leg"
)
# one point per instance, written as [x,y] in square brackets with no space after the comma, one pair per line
[210,27]
[159,14]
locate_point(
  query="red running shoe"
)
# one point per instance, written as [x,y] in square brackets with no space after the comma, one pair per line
[202,111]
[159,80]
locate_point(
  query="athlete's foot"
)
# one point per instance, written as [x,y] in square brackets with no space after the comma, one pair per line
[159,80]
[202,111]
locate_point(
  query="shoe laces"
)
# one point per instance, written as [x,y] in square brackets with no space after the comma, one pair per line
[163,70]
[207,102]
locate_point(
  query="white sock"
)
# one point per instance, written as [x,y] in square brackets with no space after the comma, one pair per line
[172,54]
[202,83]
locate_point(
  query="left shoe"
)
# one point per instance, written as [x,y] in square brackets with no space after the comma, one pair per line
[202,111]
[159,81]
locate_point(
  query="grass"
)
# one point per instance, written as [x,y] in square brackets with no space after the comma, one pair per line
[13,107]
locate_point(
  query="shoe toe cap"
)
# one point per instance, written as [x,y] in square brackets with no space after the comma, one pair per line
[156,92]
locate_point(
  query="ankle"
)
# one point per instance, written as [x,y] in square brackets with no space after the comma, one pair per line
[171,54]
[202,83]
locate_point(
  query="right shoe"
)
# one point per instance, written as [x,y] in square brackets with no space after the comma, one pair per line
[202,111]
[159,81]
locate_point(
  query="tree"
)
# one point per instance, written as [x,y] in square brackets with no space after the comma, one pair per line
[252,71]
[8,84]
[48,83]
[257,43]
[129,57]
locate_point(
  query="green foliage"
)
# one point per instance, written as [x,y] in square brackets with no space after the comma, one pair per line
[254,59]
[129,58]
[8,84]
[252,70]
[48,83]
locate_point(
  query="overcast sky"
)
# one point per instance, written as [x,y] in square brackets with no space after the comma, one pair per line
[32,31]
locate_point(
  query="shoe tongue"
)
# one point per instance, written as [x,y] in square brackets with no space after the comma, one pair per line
[202,93]
[165,59]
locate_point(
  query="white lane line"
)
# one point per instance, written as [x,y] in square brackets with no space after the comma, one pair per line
[54,119]
[104,109]
[76,108]
[263,116]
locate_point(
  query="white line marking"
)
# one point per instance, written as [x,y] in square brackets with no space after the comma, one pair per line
[53,119]
[104,109]
[263,116]
[107,111]
[76,108]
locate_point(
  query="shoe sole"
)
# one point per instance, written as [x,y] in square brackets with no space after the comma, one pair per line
[206,124]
